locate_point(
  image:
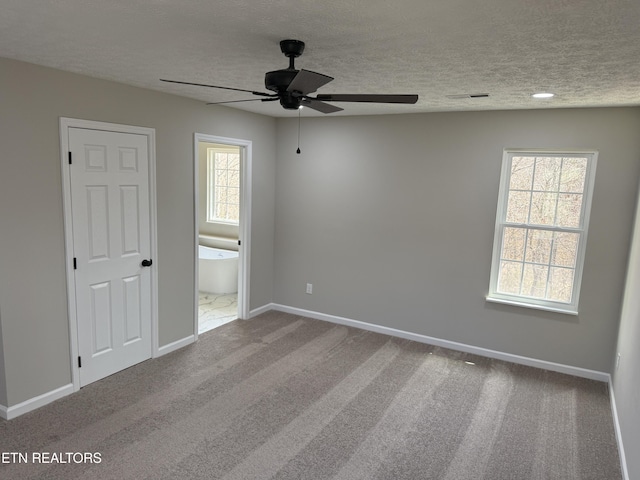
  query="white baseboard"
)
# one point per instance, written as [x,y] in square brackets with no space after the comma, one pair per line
[9,413]
[616,426]
[262,309]
[483,352]
[173,346]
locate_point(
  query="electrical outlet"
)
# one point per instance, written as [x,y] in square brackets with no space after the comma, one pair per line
[309,288]
[618,360]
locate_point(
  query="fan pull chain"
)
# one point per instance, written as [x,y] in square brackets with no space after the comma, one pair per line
[298,150]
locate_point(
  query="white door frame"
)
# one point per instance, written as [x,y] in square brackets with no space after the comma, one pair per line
[65,125]
[244,228]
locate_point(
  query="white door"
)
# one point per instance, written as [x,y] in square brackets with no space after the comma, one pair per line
[109,178]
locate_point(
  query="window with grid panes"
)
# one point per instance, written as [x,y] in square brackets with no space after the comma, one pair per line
[223,185]
[541,228]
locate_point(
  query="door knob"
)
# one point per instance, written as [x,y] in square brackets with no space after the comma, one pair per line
[146,263]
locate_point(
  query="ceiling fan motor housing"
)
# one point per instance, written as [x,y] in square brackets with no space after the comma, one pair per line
[278,80]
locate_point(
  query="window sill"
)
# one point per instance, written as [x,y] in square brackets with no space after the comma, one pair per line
[223,222]
[565,311]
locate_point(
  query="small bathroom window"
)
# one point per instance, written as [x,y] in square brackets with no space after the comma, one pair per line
[223,185]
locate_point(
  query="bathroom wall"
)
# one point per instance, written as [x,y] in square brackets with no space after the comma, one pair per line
[35,325]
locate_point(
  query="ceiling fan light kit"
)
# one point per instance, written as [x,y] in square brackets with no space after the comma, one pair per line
[293,87]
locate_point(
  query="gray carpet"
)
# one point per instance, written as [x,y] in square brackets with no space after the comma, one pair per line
[285,397]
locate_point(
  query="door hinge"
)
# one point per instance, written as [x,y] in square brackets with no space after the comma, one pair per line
[239,243]
[75,263]
[70,161]
[79,362]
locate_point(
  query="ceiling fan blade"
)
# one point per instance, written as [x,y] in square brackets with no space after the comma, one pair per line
[320,106]
[217,86]
[307,81]
[247,100]
[409,99]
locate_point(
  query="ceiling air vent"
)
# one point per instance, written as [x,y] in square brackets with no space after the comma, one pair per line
[467,95]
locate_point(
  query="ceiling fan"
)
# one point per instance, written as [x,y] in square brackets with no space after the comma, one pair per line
[292,87]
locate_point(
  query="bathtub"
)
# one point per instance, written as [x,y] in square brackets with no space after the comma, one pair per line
[217,270]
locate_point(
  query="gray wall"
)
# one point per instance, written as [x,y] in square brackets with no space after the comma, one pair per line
[32,265]
[626,378]
[392,220]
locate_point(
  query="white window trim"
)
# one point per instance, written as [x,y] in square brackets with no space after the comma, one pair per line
[210,182]
[530,302]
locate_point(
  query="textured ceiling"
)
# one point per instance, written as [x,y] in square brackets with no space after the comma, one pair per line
[585,51]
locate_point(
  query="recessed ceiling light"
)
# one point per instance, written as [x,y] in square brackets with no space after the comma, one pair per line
[543,95]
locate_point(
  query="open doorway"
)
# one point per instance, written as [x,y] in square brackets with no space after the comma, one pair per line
[222,168]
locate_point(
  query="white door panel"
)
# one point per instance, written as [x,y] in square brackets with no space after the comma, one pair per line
[109,180]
